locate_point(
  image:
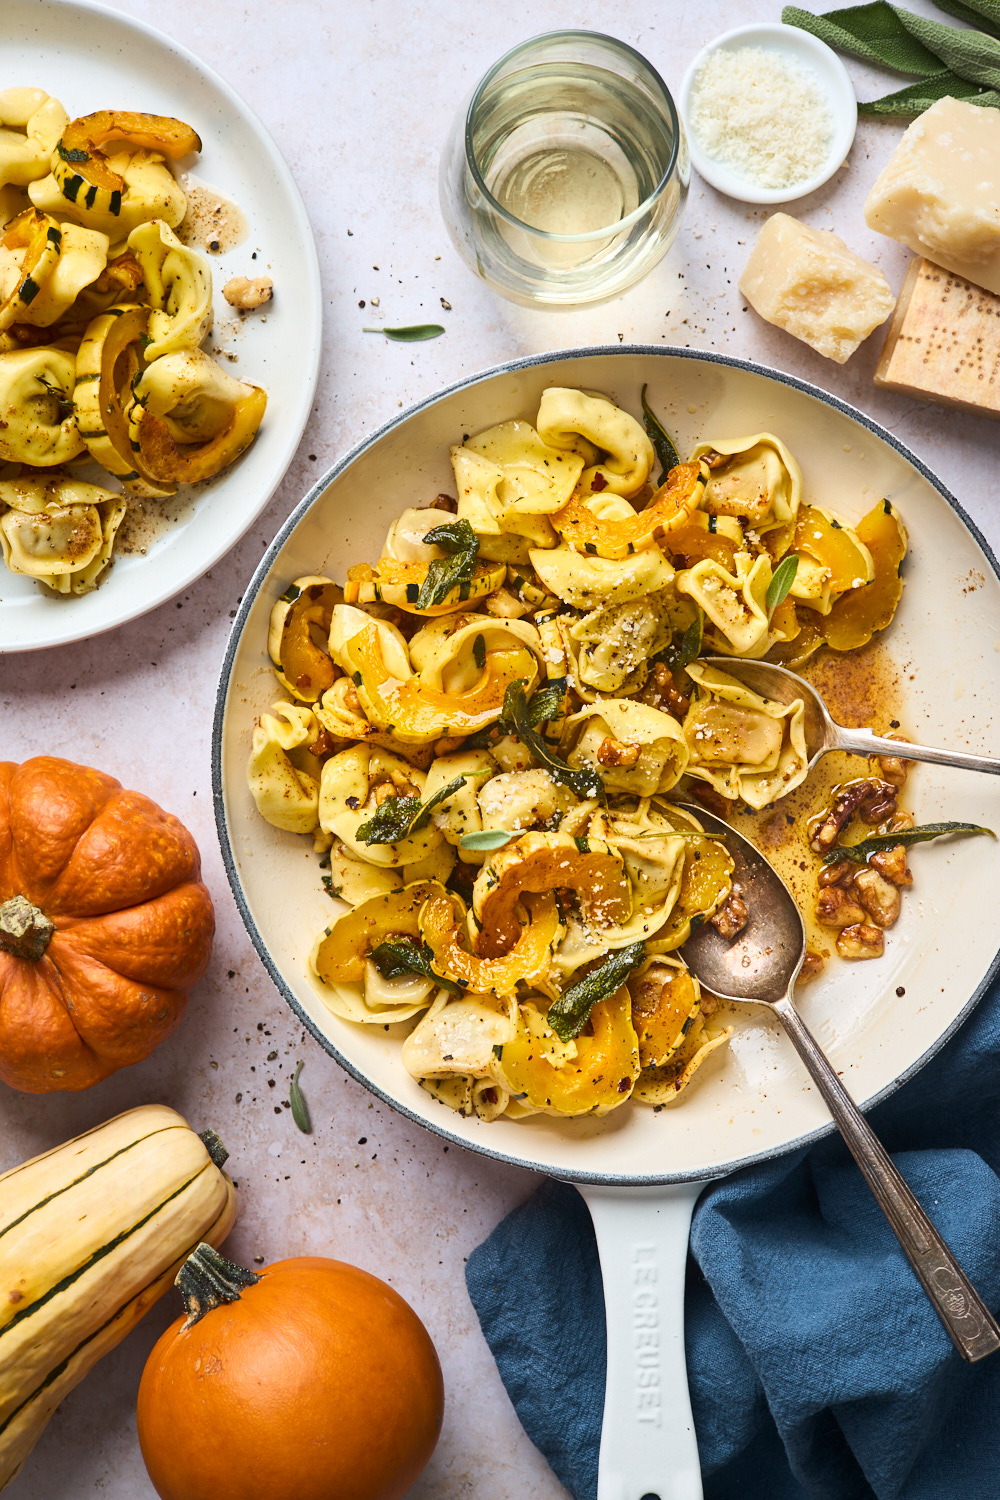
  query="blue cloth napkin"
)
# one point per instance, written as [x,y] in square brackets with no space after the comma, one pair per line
[818,1369]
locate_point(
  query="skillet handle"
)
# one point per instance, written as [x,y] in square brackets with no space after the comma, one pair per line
[648,1445]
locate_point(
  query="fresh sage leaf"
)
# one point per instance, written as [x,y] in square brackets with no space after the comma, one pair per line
[664,449]
[859,854]
[397,817]
[406,956]
[570,1013]
[781,583]
[515,719]
[459,540]
[410,335]
[296,1098]
[489,839]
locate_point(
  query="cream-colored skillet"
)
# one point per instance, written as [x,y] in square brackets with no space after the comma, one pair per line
[639,1170]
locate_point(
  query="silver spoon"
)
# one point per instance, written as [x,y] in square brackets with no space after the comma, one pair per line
[760,966]
[823,733]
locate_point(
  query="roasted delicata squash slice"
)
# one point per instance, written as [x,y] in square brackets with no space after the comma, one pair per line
[31,122]
[417,713]
[857,615]
[151,191]
[189,418]
[38,238]
[36,408]
[666,1003]
[754,479]
[583,529]
[832,560]
[297,637]
[547,862]
[81,260]
[286,794]
[178,284]
[108,361]
[399,583]
[565,417]
[59,530]
[661,1085]
[90,181]
[592,1074]
[528,961]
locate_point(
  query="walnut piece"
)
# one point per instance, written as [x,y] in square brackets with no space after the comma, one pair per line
[835,908]
[891,865]
[612,752]
[732,916]
[862,941]
[444,502]
[242,293]
[880,899]
[812,965]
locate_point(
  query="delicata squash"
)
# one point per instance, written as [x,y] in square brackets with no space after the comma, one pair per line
[91,1235]
[83,172]
[594,1073]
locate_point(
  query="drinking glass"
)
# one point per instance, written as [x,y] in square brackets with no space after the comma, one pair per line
[565,174]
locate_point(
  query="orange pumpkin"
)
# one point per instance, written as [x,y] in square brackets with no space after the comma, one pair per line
[104,925]
[311,1380]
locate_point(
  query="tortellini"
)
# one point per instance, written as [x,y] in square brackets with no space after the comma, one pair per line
[610,647]
[59,530]
[286,796]
[179,284]
[744,745]
[635,749]
[482,485]
[82,256]
[589,582]
[151,192]
[354,783]
[31,123]
[755,479]
[565,416]
[735,603]
[36,399]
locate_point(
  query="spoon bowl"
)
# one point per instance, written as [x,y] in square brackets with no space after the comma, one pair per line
[760,966]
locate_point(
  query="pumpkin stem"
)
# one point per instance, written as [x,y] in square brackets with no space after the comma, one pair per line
[25,932]
[213,1145]
[207,1279]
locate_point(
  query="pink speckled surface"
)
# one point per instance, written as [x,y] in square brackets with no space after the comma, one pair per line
[359,96]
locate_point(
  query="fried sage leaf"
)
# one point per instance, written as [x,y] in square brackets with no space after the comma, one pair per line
[878,842]
[397,817]
[407,957]
[664,449]
[781,583]
[296,1098]
[515,718]
[680,654]
[459,540]
[570,1013]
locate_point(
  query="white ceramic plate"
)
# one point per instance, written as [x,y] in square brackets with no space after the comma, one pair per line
[795,46]
[752,1098]
[93,58]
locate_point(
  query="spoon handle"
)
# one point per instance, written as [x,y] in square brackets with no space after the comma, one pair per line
[967,1320]
[864,742]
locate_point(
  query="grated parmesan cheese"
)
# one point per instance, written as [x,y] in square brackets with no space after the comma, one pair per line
[762,115]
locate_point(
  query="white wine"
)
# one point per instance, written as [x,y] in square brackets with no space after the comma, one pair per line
[563,191]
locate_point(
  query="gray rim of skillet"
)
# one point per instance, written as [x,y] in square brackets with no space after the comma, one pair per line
[263,568]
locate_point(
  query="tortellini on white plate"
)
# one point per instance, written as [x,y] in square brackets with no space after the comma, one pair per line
[151,192]
[31,122]
[586,582]
[36,398]
[179,284]
[744,745]
[754,478]
[59,530]
[82,256]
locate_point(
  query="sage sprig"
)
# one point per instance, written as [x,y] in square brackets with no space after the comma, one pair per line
[458,539]
[488,840]
[412,334]
[947,59]
[515,718]
[397,817]
[878,843]
[663,447]
[780,586]
[568,1015]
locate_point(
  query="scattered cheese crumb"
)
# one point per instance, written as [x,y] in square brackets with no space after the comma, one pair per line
[762,115]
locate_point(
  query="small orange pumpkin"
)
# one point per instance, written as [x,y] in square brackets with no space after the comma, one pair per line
[104,925]
[311,1380]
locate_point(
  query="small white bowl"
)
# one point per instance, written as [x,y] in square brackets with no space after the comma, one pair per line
[808,51]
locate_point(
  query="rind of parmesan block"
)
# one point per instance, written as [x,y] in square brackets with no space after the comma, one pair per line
[944,342]
[808,282]
[939,193]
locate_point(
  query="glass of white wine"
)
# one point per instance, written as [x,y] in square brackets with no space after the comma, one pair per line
[565,174]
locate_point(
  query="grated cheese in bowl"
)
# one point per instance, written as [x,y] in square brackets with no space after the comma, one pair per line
[762,115]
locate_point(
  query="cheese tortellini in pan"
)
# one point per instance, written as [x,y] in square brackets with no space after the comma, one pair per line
[745,746]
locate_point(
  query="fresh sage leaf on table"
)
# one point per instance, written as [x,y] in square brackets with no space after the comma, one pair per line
[569,1014]
[881,842]
[515,718]
[664,449]
[458,539]
[296,1098]
[397,817]
[409,335]
[779,587]
[404,956]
